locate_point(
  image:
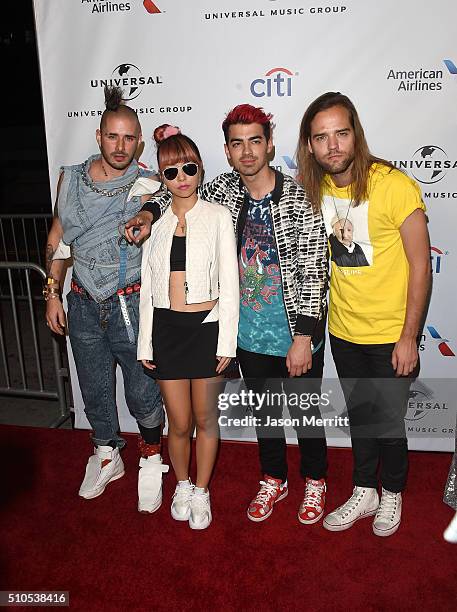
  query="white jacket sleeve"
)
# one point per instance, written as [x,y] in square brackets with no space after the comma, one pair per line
[229,287]
[144,349]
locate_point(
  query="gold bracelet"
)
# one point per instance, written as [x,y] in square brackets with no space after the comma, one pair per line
[50,291]
[51,296]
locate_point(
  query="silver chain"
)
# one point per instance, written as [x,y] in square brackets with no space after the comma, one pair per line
[106,192]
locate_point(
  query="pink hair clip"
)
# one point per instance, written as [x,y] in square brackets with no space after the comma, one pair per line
[170,130]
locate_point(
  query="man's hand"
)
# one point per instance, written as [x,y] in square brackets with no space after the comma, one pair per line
[139,227]
[405,356]
[299,358]
[55,316]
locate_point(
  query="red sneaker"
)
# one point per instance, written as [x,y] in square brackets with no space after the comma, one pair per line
[271,491]
[312,507]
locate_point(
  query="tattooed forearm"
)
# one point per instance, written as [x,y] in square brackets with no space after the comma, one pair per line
[50,250]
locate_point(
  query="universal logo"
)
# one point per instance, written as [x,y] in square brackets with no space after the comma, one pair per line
[130,79]
[429,164]
[422,402]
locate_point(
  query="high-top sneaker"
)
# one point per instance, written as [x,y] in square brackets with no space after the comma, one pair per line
[271,491]
[312,507]
[388,516]
[150,477]
[363,502]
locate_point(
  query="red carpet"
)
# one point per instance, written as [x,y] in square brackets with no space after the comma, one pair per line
[110,557]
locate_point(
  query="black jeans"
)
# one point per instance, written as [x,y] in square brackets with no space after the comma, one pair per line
[269,374]
[376,402]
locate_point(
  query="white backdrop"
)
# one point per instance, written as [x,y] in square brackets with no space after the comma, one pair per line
[188,62]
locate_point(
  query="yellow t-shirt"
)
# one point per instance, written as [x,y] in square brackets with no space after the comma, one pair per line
[369,269]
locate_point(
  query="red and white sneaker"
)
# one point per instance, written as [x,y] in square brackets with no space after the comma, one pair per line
[312,507]
[271,491]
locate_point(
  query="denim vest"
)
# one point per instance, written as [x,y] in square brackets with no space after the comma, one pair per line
[93,217]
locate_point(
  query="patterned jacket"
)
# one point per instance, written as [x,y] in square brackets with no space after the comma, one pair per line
[300,239]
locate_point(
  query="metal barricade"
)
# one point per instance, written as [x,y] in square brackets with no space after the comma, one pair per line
[22,237]
[21,347]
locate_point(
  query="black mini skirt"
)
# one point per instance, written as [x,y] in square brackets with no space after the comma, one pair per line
[183,346]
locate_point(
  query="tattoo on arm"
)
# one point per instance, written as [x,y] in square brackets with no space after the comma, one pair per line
[50,250]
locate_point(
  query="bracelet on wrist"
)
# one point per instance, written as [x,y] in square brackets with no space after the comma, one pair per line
[300,335]
[50,291]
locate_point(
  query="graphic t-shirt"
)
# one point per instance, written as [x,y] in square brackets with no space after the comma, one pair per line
[369,269]
[263,326]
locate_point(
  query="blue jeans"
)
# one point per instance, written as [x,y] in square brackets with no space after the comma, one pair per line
[99,341]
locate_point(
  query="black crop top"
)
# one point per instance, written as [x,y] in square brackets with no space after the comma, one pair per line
[178,254]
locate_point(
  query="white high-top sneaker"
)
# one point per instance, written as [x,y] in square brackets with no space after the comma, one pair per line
[150,483]
[363,502]
[388,516]
[104,466]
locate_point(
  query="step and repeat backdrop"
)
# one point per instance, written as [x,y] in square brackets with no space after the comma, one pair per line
[188,62]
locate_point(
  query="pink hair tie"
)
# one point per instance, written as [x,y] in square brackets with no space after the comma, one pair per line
[170,130]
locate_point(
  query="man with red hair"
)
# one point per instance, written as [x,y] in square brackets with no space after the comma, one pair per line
[283,273]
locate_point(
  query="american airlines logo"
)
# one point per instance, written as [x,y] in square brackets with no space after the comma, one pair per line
[151,7]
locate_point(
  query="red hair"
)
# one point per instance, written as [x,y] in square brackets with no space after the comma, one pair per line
[246,114]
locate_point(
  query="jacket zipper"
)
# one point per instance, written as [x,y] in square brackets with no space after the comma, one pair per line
[210,291]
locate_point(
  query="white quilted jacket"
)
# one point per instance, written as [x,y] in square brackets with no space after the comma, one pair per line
[211,272]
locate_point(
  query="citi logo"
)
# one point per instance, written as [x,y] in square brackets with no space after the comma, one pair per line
[277,82]
[151,7]
[436,256]
[442,343]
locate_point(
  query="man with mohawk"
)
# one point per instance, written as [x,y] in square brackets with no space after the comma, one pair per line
[94,200]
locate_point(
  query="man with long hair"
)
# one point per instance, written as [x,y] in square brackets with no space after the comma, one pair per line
[376,307]
[283,277]
[93,200]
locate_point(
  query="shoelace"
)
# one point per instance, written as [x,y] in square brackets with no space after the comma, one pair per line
[388,504]
[267,490]
[313,495]
[350,504]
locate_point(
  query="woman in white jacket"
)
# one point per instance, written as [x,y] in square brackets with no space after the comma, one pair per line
[188,316]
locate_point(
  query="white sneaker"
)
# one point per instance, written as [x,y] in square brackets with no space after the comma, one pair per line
[200,509]
[150,483]
[363,502]
[388,515]
[450,535]
[180,505]
[104,466]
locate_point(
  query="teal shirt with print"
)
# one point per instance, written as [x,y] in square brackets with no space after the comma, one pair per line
[263,326]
